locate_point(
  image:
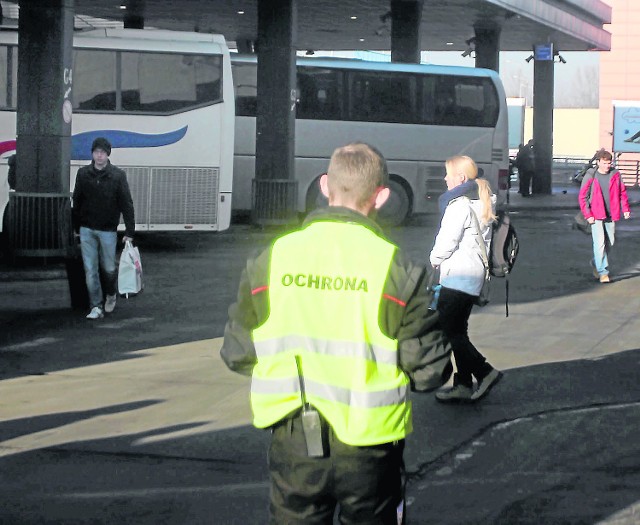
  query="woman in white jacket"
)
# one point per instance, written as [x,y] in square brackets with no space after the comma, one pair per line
[457,254]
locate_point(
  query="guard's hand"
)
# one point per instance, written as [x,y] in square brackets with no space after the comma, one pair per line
[591,220]
[125,239]
[627,214]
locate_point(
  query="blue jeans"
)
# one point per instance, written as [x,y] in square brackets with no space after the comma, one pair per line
[603,234]
[99,254]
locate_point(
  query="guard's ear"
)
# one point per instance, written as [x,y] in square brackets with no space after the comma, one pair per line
[381,197]
[324,185]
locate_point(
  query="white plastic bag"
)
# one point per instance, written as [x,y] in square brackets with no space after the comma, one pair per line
[130,270]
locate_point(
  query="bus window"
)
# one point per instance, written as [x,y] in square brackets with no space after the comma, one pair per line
[459,101]
[382,97]
[94,80]
[319,94]
[194,80]
[8,76]
[245,81]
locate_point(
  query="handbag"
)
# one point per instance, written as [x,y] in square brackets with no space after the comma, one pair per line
[579,222]
[130,270]
[582,224]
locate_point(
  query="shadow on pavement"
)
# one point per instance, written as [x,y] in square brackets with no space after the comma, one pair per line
[553,443]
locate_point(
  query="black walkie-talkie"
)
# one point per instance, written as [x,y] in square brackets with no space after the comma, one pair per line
[311,425]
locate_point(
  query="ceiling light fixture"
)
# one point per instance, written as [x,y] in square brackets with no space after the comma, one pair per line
[241,12]
[354,18]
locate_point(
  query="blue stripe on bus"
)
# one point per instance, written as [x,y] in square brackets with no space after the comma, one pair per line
[81,143]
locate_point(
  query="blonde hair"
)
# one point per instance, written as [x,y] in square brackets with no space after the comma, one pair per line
[356,171]
[466,166]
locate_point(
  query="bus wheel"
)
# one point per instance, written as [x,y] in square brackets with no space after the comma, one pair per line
[397,208]
[315,198]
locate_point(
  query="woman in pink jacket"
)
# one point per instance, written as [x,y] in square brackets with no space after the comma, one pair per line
[603,201]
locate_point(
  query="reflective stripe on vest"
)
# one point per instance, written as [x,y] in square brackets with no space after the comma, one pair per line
[323,307]
[359,349]
[291,385]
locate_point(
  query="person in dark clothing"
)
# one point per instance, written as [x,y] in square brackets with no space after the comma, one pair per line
[11,174]
[101,194]
[526,164]
[468,215]
[332,322]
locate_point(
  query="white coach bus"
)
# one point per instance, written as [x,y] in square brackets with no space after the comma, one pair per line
[416,115]
[164,99]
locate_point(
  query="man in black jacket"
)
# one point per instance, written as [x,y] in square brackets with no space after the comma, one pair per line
[100,195]
[526,164]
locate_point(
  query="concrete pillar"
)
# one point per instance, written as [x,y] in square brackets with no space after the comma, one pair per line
[40,208]
[45,76]
[275,187]
[487,46]
[406,16]
[543,72]
[134,14]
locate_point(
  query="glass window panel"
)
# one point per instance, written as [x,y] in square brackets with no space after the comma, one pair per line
[319,94]
[245,80]
[162,83]
[8,77]
[383,97]
[94,80]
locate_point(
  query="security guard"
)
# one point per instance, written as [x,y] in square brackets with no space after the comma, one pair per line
[332,323]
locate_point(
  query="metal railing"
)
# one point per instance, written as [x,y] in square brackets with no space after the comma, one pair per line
[274,202]
[630,171]
[566,167]
[40,224]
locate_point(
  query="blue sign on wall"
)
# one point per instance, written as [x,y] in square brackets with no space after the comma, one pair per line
[543,52]
[626,127]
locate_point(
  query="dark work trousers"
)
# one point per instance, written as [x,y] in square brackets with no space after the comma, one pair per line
[366,483]
[525,178]
[455,308]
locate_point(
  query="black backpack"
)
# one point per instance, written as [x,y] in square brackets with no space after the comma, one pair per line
[504,246]
[503,251]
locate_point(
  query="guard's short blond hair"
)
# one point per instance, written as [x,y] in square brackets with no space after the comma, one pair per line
[356,171]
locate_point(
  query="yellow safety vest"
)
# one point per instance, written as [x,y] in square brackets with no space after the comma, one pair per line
[326,283]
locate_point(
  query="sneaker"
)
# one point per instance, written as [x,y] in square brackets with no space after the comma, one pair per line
[605,279]
[458,393]
[110,303]
[487,384]
[95,313]
[594,271]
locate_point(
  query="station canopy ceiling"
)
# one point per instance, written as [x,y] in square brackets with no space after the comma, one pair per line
[571,25]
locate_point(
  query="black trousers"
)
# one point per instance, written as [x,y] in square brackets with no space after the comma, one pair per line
[455,308]
[365,483]
[525,178]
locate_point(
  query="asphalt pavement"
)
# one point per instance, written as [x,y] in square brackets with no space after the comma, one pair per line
[163,435]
